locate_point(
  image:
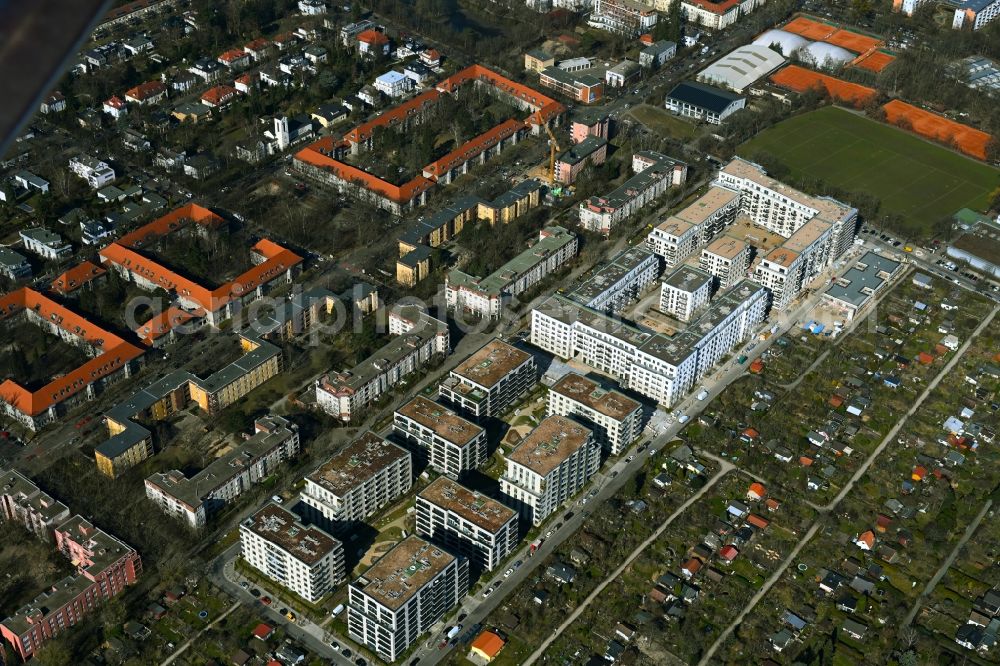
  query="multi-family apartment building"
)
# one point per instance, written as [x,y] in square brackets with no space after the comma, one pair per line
[615,419]
[46,244]
[623,17]
[681,234]
[654,173]
[22,502]
[685,292]
[973,13]
[579,86]
[713,14]
[620,281]
[193,499]
[368,474]
[490,381]
[420,339]
[451,444]
[96,172]
[305,560]
[487,296]
[550,465]
[592,150]
[787,269]
[781,209]
[466,523]
[105,566]
[656,365]
[403,595]
[728,259]
[129,442]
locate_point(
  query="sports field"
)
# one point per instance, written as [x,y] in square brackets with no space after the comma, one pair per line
[910,176]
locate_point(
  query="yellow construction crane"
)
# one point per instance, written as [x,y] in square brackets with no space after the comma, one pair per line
[553,147]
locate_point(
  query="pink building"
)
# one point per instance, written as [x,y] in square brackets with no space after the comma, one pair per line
[595,124]
[104,565]
[592,150]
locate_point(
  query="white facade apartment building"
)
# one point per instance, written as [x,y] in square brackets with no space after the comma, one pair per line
[677,237]
[553,463]
[685,292]
[487,296]
[420,338]
[466,522]
[623,17]
[715,15]
[654,173]
[490,381]
[728,259]
[782,209]
[403,595]
[618,282]
[615,419]
[657,366]
[45,243]
[453,444]
[192,499]
[368,474]
[96,172]
[786,270]
[305,560]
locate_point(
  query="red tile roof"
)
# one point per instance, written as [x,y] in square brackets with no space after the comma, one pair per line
[757,489]
[395,115]
[259,44]
[757,521]
[488,643]
[125,253]
[232,55]
[473,148]
[116,102]
[373,37]
[925,358]
[729,553]
[692,566]
[116,353]
[317,154]
[163,323]
[867,538]
[262,631]
[144,91]
[76,277]
[543,108]
[219,95]
[720,7]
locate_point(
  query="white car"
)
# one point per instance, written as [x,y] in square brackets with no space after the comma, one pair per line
[683,418]
[487,592]
[630,459]
[506,574]
[549,534]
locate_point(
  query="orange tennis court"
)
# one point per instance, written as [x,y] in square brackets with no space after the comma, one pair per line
[800,80]
[809,29]
[876,62]
[852,41]
[932,126]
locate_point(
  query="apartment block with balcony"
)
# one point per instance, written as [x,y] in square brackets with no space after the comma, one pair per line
[490,381]
[553,463]
[615,419]
[623,17]
[654,173]
[305,560]
[466,522]
[193,499]
[367,475]
[23,503]
[728,259]
[685,292]
[451,444]
[786,270]
[618,282]
[405,593]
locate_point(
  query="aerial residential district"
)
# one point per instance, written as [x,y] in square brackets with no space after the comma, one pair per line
[573,332]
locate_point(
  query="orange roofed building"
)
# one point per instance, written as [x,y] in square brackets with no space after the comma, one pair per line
[112,357]
[272,264]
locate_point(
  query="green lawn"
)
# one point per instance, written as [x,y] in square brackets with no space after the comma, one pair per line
[662,121]
[910,176]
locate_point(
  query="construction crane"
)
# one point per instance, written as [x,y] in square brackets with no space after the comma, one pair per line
[553,147]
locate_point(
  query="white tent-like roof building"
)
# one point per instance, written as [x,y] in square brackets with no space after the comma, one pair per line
[742,67]
[788,41]
[821,54]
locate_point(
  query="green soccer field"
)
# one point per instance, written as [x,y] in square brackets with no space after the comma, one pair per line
[911,177]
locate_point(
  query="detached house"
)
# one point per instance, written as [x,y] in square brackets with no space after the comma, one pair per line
[235,59]
[115,107]
[150,92]
[259,49]
[373,42]
[219,96]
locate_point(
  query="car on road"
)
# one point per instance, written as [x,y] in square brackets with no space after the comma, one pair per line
[361,662]
[584,501]
[276,498]
[558,525]
[487,592]
[549,533]
[346,652]
[244,585]
[517,565]
[506,574]
[683,418]
[266,601]
[335,645]
[592,492]
[255,593]
[614,474]
[630,459]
